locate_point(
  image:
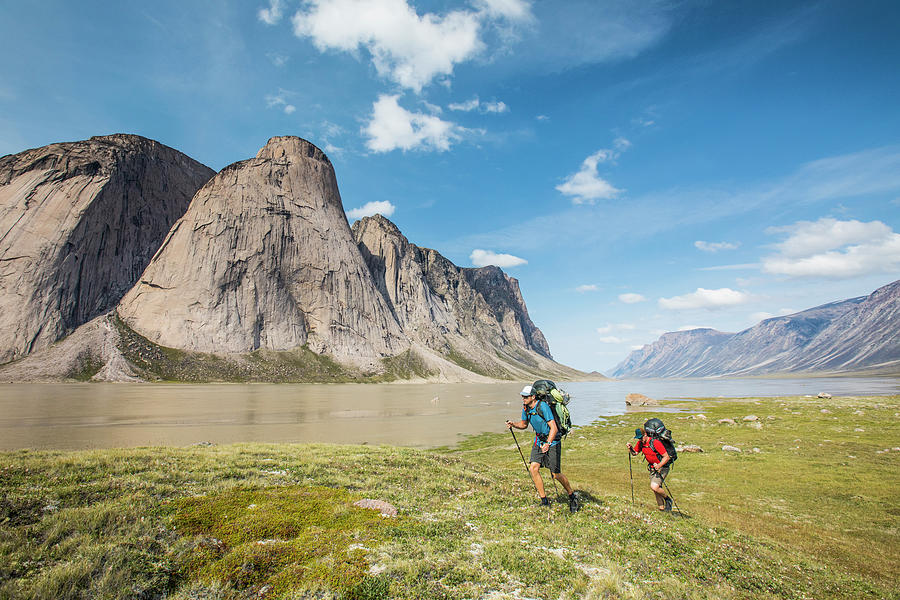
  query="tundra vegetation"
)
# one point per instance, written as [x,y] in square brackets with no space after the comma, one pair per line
[811,514]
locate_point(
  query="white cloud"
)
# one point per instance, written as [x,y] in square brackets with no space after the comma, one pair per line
[368,209]
[704,298]
[514,10]
[542,118]
[272,15]
[392,127]
[715,246]
[586,186]
[408,49]
[279,60]
[279,100]
[482,107]
[611,339]
[586,288]
[609,328]
[631,298]
[834,249]
[482,258]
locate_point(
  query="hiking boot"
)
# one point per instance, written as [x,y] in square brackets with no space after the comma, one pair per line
[668,504]
[545,501]
[574,506]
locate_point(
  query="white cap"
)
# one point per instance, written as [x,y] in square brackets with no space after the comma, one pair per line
[526,391]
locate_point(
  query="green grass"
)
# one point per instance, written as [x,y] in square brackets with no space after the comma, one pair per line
[815,518]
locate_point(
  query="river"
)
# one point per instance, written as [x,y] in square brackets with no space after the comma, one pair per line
[92,415]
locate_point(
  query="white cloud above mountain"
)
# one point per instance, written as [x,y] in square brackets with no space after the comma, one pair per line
[586,186]
[483,258]
[382,207]
[834,249]
[406,48]
[273,14]
[704,298]
[392,127]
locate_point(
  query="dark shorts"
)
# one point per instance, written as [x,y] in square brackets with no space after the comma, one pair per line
[551,459]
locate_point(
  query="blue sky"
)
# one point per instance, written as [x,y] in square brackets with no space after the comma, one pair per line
[639,167]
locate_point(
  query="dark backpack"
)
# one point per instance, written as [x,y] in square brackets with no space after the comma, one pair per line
[668,443]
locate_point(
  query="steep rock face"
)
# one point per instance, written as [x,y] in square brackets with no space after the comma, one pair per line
[264,258]
[855,334]
[445,307]
[79,222]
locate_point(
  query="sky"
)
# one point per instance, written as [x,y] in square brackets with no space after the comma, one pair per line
[638,167]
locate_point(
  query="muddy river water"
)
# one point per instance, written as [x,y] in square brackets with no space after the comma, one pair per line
[76,416]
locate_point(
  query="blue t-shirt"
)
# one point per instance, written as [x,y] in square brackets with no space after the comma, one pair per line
[539,417]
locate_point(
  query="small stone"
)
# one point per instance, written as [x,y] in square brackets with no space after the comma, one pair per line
[824,395]
[701,416]
[757,450]
[825,411]
[859,429]
[386,509]
[751,418]
[726,421]
[689,448]
[730,449]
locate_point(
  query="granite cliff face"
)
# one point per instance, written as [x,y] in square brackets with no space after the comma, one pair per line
[79,222]
[859,334]
[264,259]
[476,315]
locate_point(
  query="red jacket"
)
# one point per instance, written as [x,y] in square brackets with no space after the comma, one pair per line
[649,454]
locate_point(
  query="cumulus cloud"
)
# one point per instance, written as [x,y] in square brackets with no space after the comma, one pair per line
[406,48]
[392,127]
[368,209]
[482,258]
[631,298]
[586,186]
[834,249]
[703,298]
[272,15]
[715,246]
[586,288]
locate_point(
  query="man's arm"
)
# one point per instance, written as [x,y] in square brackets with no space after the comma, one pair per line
[517,424]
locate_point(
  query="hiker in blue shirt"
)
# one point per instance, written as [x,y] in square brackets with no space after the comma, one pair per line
[547,448]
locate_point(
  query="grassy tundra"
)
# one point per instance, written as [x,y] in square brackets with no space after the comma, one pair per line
[813,514]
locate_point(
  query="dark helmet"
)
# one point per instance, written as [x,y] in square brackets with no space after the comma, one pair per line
[542,387]
[654,427]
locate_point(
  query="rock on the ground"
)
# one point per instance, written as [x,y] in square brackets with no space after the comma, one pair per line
[727,448]
[385,508]
[640,400]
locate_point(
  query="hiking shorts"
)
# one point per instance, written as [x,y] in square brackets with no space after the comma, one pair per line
[660,476]
[551,459]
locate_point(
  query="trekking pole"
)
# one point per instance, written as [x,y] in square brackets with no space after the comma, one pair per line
[669,492]
[631,476]
[523,461]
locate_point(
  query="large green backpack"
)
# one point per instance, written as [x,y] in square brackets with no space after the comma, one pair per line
[546,391]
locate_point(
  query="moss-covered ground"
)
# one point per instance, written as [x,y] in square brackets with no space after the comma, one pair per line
[813,514]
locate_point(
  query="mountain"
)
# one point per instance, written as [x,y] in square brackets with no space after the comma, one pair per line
[474,316]
[261,278]
[859,334]
[79,222]
[264,258]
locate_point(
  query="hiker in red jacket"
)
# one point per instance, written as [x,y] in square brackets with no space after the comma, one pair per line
[657,463]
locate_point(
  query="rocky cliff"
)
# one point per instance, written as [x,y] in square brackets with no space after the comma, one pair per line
[264,259]
[79,222]
[475,317]
[859,334]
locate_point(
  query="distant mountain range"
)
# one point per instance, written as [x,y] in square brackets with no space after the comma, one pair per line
[856,335]
[123,259]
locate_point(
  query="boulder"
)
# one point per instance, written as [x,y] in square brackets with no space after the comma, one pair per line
[751,418]
[824,395]
[689,448]
[727,448]
[726,421]
[640,400]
